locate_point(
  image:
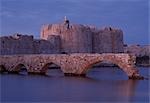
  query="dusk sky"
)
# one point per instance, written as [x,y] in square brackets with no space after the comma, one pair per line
[27,16]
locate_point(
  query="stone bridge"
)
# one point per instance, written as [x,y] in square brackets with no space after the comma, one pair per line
[71,64]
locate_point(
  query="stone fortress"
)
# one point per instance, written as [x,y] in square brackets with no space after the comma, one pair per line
[58,39]
[76,42]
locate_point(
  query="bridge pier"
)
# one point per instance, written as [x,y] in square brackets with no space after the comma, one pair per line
[136,77]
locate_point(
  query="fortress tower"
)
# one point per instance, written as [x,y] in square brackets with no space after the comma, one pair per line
[85,39]
[108,40]
[57,38]
[74,40]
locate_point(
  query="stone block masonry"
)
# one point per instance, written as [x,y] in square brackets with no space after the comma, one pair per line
[71,64]
[85,39]
[25,44]
[57,39]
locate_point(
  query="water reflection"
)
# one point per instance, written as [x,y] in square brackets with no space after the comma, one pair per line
[119,90]
[23,71]
[126,89]
[93,88]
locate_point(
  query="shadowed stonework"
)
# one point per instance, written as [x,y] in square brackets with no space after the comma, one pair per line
[71,64]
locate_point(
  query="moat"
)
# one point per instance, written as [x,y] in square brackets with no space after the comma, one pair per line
[103,84]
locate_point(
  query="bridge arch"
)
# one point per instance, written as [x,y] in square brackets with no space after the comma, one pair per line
[48,65]
[127,69]
[76,64]
[19,67]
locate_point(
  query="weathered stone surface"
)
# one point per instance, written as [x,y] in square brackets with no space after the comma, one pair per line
[56,39]
[85,39]
[74,40]
[25,44]
[17,44]
[108,40]
[138,50]
[142,53]
[73,64]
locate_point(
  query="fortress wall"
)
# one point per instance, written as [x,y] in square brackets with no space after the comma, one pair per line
[36,46]
[18,44]
[24,44]
[51,29]
[76,39]
[105,41]
[118,41]
[108,40]
[55,42]
[43,47]
[102,42]
[56,38]
[80,38]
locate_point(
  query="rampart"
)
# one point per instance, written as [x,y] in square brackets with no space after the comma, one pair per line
[25,44]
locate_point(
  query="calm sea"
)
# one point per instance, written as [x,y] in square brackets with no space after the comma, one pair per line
[102,85]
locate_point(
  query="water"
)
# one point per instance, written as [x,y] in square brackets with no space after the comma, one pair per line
[101,85]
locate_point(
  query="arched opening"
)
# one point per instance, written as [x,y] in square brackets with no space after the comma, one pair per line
[52,69]
[106,70]
[3,69]
[21,69]
[64,53]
